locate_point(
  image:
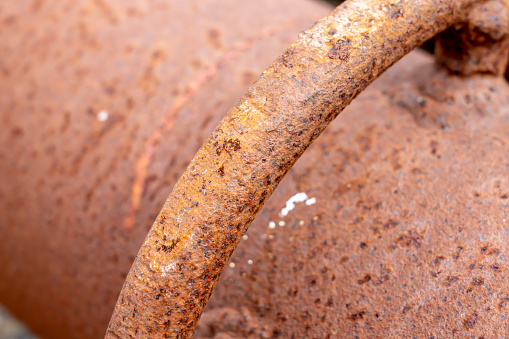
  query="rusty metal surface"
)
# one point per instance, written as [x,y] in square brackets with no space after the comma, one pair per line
[239,166]
[73,177]
[479,45]
[408,233]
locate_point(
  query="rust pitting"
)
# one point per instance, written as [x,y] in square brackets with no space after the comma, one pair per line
[340,49]
[357,316]
[170,247]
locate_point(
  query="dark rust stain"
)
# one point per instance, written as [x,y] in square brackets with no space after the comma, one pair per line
[340,49]
[470,321]
[357,316]
[170,247]
[366,279]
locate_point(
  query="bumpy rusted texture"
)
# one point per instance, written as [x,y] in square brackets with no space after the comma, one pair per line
[408,234]
[73,180]
[479,45]
[239,166]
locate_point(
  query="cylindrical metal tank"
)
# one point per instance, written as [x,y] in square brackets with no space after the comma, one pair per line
[103,104]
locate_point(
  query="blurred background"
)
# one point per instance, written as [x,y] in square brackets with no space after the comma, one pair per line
[10,328]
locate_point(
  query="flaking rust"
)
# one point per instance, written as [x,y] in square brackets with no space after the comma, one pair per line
[255,145]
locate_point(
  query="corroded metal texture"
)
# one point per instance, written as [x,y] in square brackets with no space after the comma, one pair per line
[479,45]
[88,90]
[408,234]
[239,166]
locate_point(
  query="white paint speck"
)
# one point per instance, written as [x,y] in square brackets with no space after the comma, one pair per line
[232,265]
[272,224]
[311,201]
[245,237]
[103,115]
[282,223]
[250,262]
[290,204]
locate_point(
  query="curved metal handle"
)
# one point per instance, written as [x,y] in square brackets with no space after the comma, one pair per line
[254,146]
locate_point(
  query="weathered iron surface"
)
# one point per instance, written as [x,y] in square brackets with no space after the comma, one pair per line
[478,45]
[239,166]
[385,247]
[408,234]
[88,92]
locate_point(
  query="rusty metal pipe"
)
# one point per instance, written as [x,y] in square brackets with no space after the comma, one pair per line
[248,154]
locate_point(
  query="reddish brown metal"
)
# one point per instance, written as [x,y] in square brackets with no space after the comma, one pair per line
[70,225]
[479,45]
[239,166]
[408,235]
